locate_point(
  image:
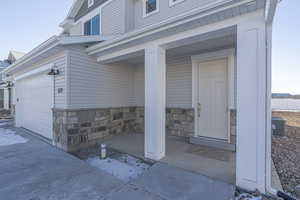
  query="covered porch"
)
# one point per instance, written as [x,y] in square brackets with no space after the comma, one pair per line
[198,100]
[196,118]
[212,162]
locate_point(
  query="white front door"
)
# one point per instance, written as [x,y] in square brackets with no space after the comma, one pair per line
[212,115]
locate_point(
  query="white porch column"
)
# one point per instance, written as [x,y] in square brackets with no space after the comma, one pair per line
[251,104]
[155,102]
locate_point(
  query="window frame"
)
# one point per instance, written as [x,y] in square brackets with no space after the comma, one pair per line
[173,3]
[91,27]
[145,14]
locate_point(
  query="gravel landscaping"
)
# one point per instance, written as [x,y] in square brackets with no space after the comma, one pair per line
[286,152]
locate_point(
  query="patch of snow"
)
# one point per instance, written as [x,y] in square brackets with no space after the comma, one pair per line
[8,137]
[125,167]
[5,123]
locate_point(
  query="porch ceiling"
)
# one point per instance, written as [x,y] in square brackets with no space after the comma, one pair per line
[188,49]
[210,41]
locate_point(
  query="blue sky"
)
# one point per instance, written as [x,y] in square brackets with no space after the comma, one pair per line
[26,23]
[286,48]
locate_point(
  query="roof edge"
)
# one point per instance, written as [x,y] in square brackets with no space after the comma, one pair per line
[270,10]
[72,12]
[27,56]
[52,42]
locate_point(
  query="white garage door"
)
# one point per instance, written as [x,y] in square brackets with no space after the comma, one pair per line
[34,104]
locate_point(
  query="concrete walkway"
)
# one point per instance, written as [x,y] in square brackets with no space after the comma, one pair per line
[38,171]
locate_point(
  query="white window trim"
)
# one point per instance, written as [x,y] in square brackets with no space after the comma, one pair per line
[90,3]
[173,3]
[100,21]
[145,14]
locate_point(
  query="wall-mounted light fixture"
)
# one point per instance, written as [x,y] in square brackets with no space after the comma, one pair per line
[9,84]
[53,72]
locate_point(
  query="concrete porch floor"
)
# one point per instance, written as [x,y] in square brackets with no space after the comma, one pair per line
[211,162]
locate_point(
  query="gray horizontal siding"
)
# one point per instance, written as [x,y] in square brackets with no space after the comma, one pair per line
[178,83]
[113,18]
[60,82]
[93,85]
[165,11]
[85,10]
[60,62]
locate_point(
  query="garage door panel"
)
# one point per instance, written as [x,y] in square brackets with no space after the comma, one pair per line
[34,109]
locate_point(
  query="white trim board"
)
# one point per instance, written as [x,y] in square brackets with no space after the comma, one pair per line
[34,72]
[163,25]
[173,3]
[228,54]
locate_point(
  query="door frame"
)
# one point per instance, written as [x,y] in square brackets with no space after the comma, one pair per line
[228,54]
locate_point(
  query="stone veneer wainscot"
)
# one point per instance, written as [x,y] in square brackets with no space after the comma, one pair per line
[82,128]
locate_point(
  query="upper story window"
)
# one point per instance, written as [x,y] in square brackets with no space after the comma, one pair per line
[92,26]
[173,2]
[90,3]
[150,7]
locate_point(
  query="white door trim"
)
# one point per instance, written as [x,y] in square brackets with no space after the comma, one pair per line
[229,54]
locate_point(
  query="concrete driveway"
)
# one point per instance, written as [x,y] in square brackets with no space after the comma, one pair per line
[36,170]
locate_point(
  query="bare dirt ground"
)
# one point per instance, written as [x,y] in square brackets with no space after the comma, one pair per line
[286,152]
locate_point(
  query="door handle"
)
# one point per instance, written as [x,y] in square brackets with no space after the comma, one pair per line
[199,109]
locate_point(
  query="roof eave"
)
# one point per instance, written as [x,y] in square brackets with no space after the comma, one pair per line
[49,44]
[53,40]
[270,10]
[73,11]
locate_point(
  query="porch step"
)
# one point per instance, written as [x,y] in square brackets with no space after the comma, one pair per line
[211,142]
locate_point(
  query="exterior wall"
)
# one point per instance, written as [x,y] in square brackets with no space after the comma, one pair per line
[129,15]
[119,16]
[60,100]
[60,62]
[77,29]
[165,11]
[113,18]
[112,15]
[85,10]
[180,122]
[179,83]
[76,129]
[93,85]
[81,128]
